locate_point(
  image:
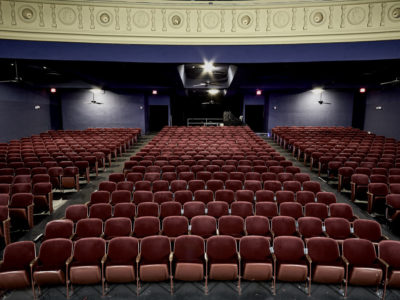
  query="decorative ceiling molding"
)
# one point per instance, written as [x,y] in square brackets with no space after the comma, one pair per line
[200,23]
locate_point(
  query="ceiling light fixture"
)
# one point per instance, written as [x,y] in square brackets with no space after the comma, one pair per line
[258,92]
[208,66]
[317,90]
[213,91]
[363,90]
[97,91]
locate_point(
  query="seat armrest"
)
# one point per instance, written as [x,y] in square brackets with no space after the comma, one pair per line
[381,261]
[34,262]
[345,260]
[384,237]
[138,258]
[171,256]
[69,260]
[309,259]
[272,233]
[205,257]
[239,257]
[103,260]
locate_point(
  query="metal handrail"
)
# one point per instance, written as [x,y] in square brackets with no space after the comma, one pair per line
[204,121]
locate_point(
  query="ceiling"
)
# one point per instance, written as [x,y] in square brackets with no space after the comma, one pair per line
[167,77]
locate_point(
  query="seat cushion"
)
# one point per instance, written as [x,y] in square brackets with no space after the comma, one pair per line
[365,276]
[120,273]
[292,272]
[85,274]
[68,182]
[50,277]
[14,280]
[257,271]
[223,271]
[394,278]
[154,272]
[328,274]
[189,271]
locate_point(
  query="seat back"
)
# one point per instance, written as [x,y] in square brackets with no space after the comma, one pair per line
[18,255]
[221,249]
[389,252]
[174,226]
[204,226]
[89,251]
[55,252]
[323,250]
[155,249]
[257,225]
[59,229]
[123,250]
[254,249]
[368,229]
[359,252]
[289,249]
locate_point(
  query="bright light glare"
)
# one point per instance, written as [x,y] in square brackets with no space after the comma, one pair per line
[213,91]
[208,66]
[53,90]
[154,92]
[362,90]
[97,91]
[317,90]
[258,92]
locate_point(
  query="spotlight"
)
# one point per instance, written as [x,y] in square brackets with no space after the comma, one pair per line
[154,92]
[213,91]
[258,92]
[97,91]
[208,66]
[317,90]
[53,90]
[363,90]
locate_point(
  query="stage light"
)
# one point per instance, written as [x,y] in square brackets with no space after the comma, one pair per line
[213,91]
[317,90]
[258,92]
[154,92]
[97,91]
[53,90]
[208,66]
[363,90]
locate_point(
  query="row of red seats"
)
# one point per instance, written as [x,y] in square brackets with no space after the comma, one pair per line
[212,185]
[208,175]
[104,210]
[337,228]
[193,259]
[367,163]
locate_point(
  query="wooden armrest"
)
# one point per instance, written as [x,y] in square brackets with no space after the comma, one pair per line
[345,260]
[33,262]
[103,260]
[171,256]
[383,262]
[69,260]
[138,258]
[206,257]
[309,259]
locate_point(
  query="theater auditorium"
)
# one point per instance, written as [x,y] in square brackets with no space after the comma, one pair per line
[191,149]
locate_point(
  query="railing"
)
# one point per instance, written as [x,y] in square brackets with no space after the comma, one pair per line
[204,121]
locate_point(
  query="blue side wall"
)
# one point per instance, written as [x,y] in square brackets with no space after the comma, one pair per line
[18,117]
[386,121]
[116,110]
[303,109]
